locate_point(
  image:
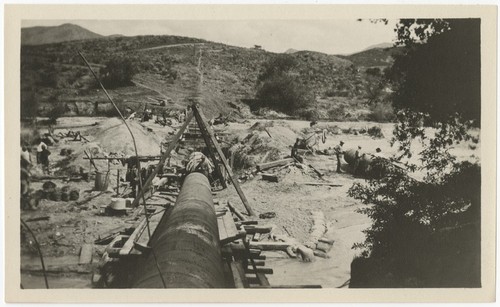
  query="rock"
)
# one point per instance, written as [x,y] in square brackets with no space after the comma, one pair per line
[48,186]
[64,196]
[321,254]
[55,195]
[267,215]
[325,247]
[74,194]
[304,253]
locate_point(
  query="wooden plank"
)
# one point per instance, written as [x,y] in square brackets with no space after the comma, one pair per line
[270,177]
[238,274]
[257,229]
[111,249]
[268,246]
[201,119]
[256,237]
[263,279]
[268,165]
[163,158]
[86,253]
[259,262]
[320,184]
[229,224]
[127,247]
[143,238]
[222,228]
[236,211]
[320,174]
[262,270]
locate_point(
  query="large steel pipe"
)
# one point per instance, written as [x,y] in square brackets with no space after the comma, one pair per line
[186,243]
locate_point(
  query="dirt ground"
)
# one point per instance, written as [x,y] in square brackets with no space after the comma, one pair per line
[70,224]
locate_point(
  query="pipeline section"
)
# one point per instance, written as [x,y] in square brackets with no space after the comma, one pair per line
[186,242]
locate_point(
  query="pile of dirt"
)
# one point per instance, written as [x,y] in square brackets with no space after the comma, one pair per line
[295,174]
[110,138]
[113,137]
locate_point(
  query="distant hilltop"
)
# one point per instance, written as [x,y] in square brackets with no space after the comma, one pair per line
[55,34]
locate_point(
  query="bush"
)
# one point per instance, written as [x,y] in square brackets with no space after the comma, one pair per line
[284,93]
[118,72]
[337,113]
[310,114]
[280,87]
[375,132]
[381,112]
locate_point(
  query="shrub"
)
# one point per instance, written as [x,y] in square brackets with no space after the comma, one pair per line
[375,132]
[381,112]
[337,112]
[280,87]
[284,93]
[118,72]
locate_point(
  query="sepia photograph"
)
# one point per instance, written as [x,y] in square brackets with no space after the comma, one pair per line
[340,153]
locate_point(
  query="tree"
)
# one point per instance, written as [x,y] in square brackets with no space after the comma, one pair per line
[29,103]
[118,72]
[279,86]
[440,73]
[426,231]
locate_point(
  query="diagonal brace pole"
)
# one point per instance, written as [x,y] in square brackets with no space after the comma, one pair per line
[202,121]
[163,158]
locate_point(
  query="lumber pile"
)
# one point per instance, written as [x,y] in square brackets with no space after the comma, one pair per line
[264,166]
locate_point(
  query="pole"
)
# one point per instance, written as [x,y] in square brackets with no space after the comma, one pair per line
[202,122]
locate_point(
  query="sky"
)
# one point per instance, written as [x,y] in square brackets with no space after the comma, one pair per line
[328,36]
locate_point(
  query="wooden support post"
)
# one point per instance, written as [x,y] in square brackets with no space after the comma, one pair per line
[163,158]
[118,182]
[206,138]
[202,121]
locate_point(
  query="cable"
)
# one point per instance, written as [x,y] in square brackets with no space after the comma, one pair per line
[39,252]
[138,163]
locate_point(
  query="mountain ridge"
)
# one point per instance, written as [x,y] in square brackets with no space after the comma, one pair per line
[41,35]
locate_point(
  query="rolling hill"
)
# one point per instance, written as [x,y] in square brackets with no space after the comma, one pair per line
[169,67]
[374,57]
[63,33]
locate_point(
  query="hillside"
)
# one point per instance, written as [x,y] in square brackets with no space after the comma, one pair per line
[168,67]
[63,33]
[374,57]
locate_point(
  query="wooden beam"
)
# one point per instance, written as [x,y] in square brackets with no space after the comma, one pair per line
[86,253]
[163,158]
[267,246]
[211,153]
[320,183]
[202,120]
[236,211]
[127,247]
[238,274]
[268,165]
[270,177]
[263,270]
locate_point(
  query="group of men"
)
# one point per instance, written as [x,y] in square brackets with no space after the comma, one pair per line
[339,152]
[42,157]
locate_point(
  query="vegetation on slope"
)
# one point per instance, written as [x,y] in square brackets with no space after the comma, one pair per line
[166,66]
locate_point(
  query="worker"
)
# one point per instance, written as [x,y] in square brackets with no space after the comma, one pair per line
[199,163]
[44,159]
[295,151]
[25,175]
[339,152]
[357,159]
[132,175]
[39,149]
